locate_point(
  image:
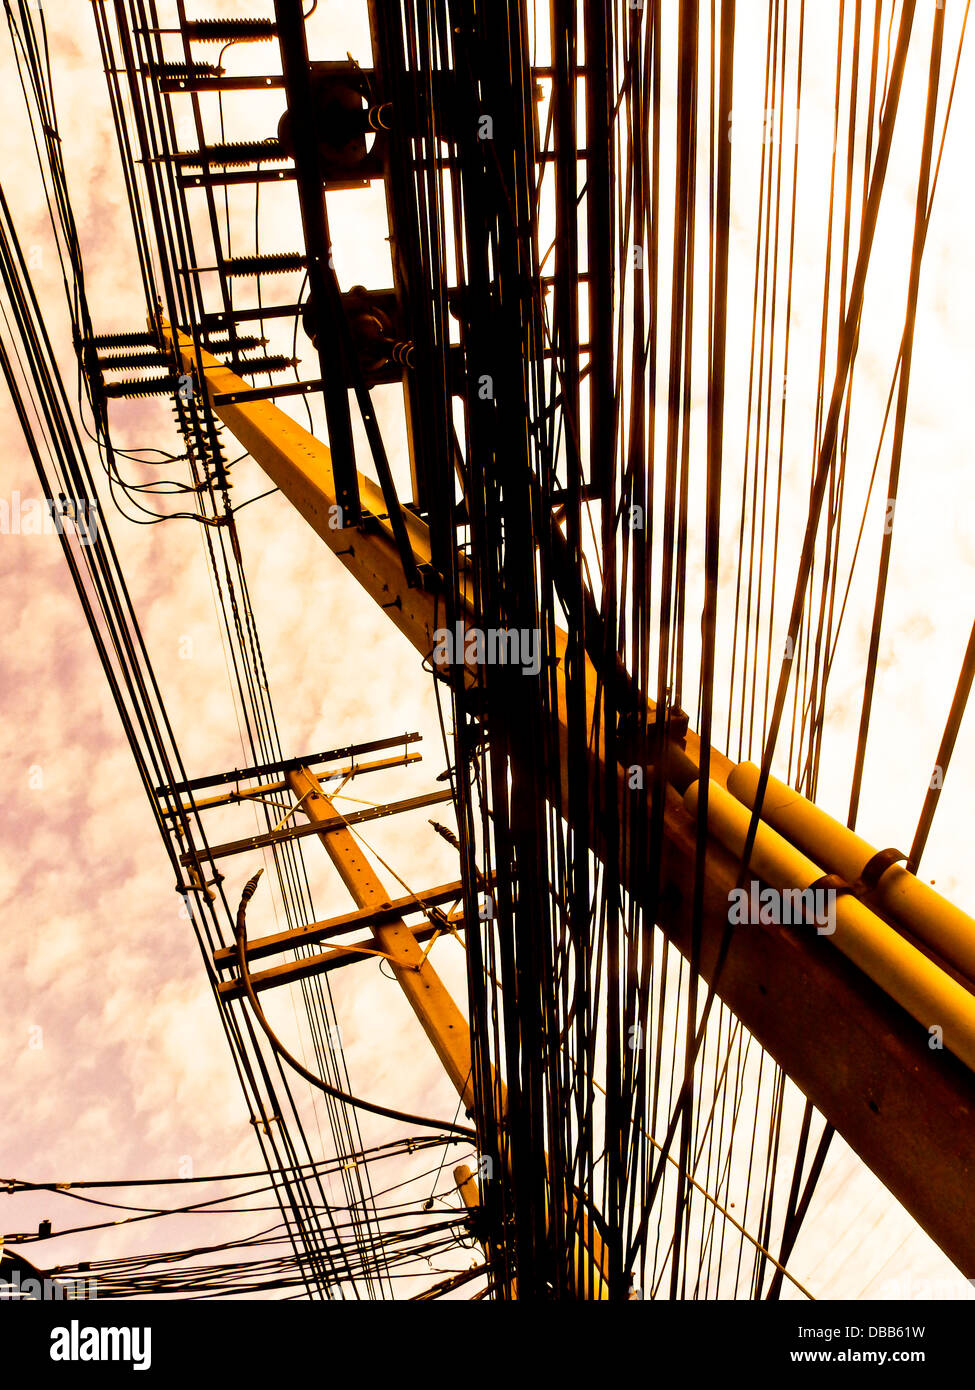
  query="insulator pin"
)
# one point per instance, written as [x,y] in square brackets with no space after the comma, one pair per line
[122,340]
[149,386]
[273,263]
[230,30]
[126,361]
[256,366]
[183,72]
[234,154]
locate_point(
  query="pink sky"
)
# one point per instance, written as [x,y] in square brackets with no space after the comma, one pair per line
[130,1074]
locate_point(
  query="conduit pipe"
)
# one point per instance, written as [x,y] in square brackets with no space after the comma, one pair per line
[913,981]
[913,904]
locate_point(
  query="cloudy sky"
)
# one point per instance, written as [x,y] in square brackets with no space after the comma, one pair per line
[114,1064]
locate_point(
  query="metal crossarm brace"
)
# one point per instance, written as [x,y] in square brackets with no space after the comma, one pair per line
[320,964]
[339,926]
[295,832]
[242,774]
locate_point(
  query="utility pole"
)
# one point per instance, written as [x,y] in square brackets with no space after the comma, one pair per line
[840,1037]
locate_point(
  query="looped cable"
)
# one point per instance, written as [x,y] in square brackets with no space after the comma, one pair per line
[386,1111]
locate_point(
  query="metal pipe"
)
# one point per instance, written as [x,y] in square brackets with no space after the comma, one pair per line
[913,904]
[913,981]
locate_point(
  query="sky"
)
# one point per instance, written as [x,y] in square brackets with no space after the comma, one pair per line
[114,1064]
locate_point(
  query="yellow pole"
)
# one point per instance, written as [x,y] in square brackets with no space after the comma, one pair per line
[441,1019]
[912,903]
[909,977]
